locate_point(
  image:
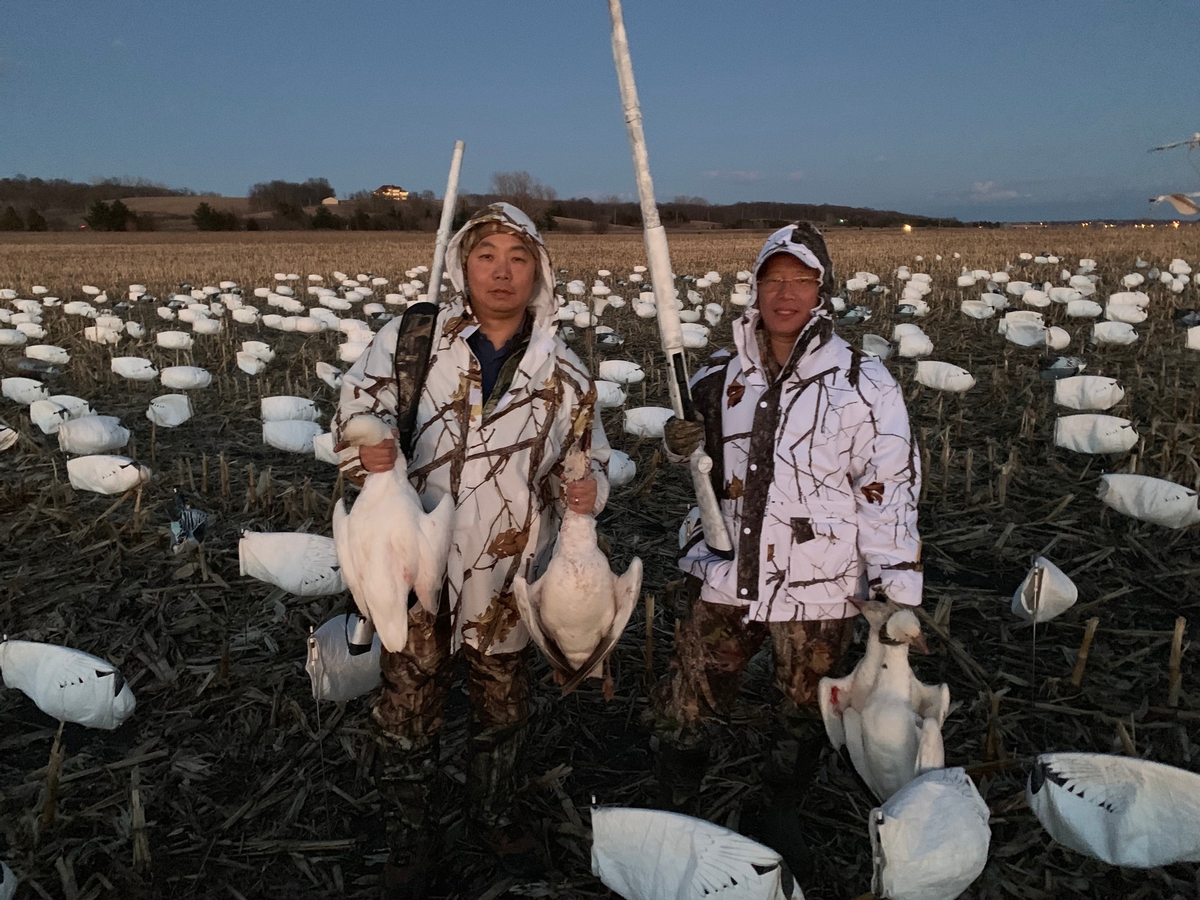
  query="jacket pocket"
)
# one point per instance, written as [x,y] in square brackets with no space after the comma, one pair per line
[823,556]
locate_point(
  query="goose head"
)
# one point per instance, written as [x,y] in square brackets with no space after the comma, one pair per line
[902,627]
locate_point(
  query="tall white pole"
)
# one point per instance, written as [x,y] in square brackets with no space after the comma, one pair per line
[449,201]
[658,257]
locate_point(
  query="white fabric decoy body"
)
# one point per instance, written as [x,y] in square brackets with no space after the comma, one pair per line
[1154,500]
[1045,593]
[1124,811]
[336,674]
[898,732]
[8,882]
[930,840]
[577,611]
[645,854]
[301,564]
[67,684]
[106,474]
[388,545]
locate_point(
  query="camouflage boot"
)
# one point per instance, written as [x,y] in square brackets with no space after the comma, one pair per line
[680,761]
[406,772]
[491,787]
[791,765]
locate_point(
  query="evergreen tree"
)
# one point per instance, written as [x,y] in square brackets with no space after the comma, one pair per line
[10,220]
[34,220]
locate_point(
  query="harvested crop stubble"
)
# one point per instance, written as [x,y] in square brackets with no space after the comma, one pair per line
[229,782]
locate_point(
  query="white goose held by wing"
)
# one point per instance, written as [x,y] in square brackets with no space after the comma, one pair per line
[578,609]
[388,546]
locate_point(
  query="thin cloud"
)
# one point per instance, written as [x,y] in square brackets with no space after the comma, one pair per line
[118,42]
[733,175]
[795,176]
[989,192]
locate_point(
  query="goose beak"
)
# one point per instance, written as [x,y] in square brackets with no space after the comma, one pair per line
[919,643]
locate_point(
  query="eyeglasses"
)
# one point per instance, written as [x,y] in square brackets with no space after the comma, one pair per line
[775,285]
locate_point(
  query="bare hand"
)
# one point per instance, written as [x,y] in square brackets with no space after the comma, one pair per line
[378,458]
[581,496]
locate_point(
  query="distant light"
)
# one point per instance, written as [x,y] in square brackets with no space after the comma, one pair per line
[907,229]
[1174,224]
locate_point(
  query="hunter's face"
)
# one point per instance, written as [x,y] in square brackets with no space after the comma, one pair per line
[501,272]
[787,295]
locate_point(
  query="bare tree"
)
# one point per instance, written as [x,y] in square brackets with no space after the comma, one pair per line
[521,187]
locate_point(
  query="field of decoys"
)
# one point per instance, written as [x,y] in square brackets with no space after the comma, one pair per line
[168,488]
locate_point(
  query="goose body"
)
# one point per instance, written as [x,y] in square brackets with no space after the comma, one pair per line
[1124,811]
[895,734]
[930,840]
[388,545]
[578,609]
[645,854]
[836,695]
[70,685]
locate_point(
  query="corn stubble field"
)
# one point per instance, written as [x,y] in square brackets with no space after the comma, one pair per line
[229,781]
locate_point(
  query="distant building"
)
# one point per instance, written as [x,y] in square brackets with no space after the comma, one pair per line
[330,201]
[391,192]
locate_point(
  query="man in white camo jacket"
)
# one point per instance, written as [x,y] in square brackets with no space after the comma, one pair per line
[818,481]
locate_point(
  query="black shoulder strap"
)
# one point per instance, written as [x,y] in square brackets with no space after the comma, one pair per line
[414,347]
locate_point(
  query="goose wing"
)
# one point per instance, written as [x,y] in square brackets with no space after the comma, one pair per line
[627,590]
[528,599]
[436,531]
[833,695]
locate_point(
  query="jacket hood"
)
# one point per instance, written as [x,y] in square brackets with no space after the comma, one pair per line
[803,241]
[543,302]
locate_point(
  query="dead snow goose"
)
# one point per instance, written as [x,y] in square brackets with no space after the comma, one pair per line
[1124,811]
[930,840]
[836,695]
[578,609]
[301,564]
[106,474]
[645,854]
[388,545]
[898,734]
[66,684]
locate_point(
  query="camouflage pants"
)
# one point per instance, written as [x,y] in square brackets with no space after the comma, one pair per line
[713,646]
[409,711]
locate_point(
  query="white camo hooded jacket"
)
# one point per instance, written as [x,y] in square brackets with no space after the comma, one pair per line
[816,471]
[502,461]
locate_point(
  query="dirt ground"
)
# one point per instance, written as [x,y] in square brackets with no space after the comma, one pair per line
[229,781]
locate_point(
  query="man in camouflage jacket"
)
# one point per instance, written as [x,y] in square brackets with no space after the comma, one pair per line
[503,403]
[818,482]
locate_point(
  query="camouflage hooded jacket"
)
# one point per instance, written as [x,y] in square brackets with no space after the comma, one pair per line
[501,461]
[818,480]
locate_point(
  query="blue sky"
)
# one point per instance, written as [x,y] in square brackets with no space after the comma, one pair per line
[999,110]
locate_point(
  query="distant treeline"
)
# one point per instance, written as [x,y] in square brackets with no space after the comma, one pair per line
[58,194]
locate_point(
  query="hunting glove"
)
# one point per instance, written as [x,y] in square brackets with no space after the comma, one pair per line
[682,436]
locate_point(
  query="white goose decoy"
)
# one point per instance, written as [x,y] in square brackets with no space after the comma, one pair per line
[388,545]
[8,437]
[70,685]
[930,840]
[1154,500]
[92,434]
[335,673]
[1124,811]
[8,882]
[897,734]
[1045,593]
[106,474]
[645,854]
[578,609]
[301,564]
